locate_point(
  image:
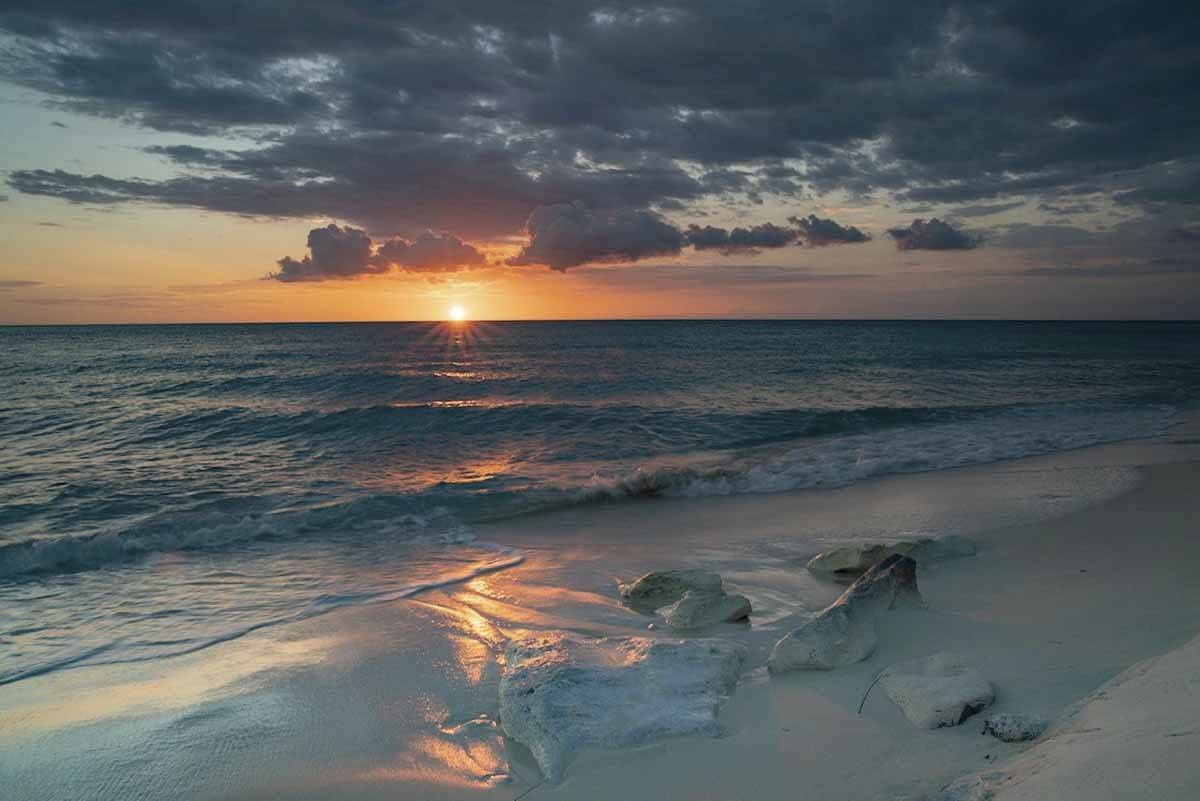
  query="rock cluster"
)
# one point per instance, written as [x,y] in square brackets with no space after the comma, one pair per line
[694,599]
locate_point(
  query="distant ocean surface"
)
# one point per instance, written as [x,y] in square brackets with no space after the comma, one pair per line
[163,488]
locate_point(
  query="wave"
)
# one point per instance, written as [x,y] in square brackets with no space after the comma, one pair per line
[840,461]
[809,450]
[215,526]
[116,652]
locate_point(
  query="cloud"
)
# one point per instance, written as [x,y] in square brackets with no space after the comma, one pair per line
[932,235]
[984,209]
[1060,208]
[344,253]
[334,252]
[430,253]
[739,240]
[1184,235]
[469,121]
[816,232]
[6,285]
[569,234]
[58,124]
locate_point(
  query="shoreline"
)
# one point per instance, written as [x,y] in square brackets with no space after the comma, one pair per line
[399,698]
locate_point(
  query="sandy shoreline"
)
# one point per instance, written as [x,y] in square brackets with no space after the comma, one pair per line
[1095,568]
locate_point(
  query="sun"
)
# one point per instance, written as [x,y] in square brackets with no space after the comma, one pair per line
[457,313]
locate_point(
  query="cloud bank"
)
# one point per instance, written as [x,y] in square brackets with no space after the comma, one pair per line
[469,118]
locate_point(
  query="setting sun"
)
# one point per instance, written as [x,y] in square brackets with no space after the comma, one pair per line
[458,313]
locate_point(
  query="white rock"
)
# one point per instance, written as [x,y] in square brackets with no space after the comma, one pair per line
[854,559]
[1014,727]
[849,560]
[664,587]
[844,632]
[697,610]
[936,691]
[831,639]
[560,693]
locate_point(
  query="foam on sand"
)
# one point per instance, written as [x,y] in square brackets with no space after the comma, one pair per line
[560,693]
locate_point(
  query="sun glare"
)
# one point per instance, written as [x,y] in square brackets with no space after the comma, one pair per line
[458,313]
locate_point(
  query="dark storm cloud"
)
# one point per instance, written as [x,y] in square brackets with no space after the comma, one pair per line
[466,117]
[932,235]
[1184,235]
[567,235]
[334,252]
[430,253]
[739,240]
[817,232]
[343,253]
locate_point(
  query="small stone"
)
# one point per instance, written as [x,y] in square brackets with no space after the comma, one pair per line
[1014,727]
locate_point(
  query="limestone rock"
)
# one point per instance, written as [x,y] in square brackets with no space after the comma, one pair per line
[664,587]
[852,560]
[1014,727]
[560,693]
[697,610]
[844,632]
[936,691]
[839,636]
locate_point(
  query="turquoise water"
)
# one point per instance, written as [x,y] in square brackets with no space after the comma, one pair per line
[166,487]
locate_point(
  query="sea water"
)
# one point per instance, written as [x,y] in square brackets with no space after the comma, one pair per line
[164,488]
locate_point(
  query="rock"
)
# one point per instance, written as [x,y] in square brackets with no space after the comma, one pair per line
[939,690]
[664,587]
[559,693]
[855,559]
[850,560]
[834,638]
[697,610]
[891,583]
[844,632]
[1014,727]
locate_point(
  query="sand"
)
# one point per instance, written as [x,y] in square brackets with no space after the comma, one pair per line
[1088,563]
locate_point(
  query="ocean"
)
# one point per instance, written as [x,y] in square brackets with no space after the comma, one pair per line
[165,488]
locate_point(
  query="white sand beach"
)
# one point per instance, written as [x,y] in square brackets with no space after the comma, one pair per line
[1088,563]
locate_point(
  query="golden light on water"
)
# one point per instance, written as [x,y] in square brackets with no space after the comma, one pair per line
[457,313]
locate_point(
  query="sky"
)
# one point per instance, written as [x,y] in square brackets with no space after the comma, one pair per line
[264,160]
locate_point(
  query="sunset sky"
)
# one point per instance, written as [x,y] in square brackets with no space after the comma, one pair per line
[243,160]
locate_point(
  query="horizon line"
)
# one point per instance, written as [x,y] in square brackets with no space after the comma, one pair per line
[622,320]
